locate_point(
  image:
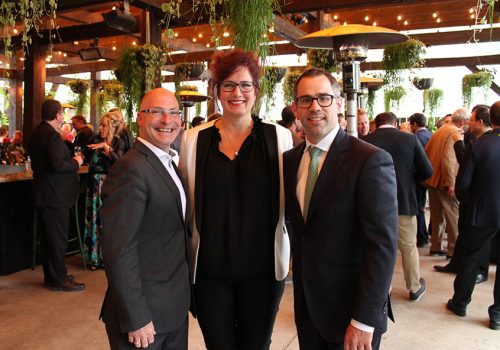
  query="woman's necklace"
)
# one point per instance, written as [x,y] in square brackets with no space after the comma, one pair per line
[235,151]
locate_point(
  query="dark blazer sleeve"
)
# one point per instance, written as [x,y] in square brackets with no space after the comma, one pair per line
[376,195]
[124,196]
[57,156]
[459,148]
[423,167]
[466,170]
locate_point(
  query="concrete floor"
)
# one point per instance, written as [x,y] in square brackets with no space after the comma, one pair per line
[32,317]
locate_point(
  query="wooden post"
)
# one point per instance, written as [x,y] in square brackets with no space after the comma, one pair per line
[95,77]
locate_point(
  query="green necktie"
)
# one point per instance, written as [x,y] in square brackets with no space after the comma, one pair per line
[312,175]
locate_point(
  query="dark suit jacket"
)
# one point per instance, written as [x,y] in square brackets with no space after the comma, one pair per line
[410,162]
[478,179]
[143,245]
[55,173]
[83,137]
[344,254]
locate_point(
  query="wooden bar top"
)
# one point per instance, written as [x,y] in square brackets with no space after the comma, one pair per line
[12,173]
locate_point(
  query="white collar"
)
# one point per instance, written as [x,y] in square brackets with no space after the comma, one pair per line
[325,143]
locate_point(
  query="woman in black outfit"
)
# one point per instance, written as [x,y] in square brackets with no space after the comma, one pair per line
[232,167]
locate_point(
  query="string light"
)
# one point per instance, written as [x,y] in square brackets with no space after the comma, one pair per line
[374,24]
[471,10]
[16,31]
[176,34]
[335,17]
[114,48]
[405,23]
[367,18]
[225,35]
[438,20]
[194,40]
[65,55]
[400,18]
[207,45]
[345,23]
[75,42]
[434,15]
[134,43]
[472,16]
[200,35]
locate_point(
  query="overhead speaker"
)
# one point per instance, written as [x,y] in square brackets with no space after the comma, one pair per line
[120,20]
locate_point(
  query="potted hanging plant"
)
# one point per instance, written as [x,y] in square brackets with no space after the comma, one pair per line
[189,70]
[272,76]
[393,97]
[432,100]
[482,79]
[321,58]
[370,100]
[110,91]
[80,88]
[398,57]
[139,72]
[423,83]
[288,85]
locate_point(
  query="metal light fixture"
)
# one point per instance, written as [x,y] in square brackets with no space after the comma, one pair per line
[120,18]
[92,53]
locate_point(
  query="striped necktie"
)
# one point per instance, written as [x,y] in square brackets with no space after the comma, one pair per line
[312,175]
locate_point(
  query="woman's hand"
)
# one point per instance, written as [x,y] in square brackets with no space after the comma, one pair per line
[103,145]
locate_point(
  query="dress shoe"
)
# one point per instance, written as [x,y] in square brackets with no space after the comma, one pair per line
[448,257]
[437,253]
[450,305]
[495,325]
[480,278]
[415,296]
[446,268]
[67,286]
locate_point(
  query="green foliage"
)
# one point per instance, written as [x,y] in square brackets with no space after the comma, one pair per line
[186,87]
[482,79]
[272,76]
[110,93]
[398,57]
[370,102]
[324,59]
[197,108]
[139,72]
[288,85]
[80,88]
[393,97]
[432,100]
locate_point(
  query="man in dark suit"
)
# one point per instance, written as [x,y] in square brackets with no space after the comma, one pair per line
[412,168]
[343,226]
[55,187]
[84,131]
[478,178]
[144,236]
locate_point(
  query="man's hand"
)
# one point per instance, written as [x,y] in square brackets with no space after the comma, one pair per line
[356,339]
[457,136]
[142,337]
[450,190]
[79,159]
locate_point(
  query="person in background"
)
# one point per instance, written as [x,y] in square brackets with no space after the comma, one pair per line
[16,147]
[363,123]
[288,121]
[342,121]
[342,210]
[103,151]
[4,134]
[234,178]
[144,236]
[197,121]
[55,187]
[83,131]
[125,133]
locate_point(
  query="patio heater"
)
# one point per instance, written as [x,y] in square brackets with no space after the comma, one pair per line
[350,44]
[188,99]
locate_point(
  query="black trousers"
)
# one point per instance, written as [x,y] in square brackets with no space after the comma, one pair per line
[175,340]
[475,242]
[53,226]
[422,233]
[238,314]
[310,339]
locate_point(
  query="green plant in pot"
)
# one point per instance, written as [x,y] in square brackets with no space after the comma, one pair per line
[398,57]
[393,97]
[288,85]
[482,79]
[432,100]
[321,58]
[272,76]
[139,72]
[422,83]
[80,88]
[110,92]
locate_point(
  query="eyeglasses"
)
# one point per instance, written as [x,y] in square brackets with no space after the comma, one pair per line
[324,100]
[229,86]
[160,112]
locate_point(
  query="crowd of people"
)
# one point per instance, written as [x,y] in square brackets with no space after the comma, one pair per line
[215,233]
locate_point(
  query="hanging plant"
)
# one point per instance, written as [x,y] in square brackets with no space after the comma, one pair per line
[370,101]
[139,72]
[110,91]
[185,87]
[482,79]
[323,59]
[272,76]
[189,70]
[288,85]
[31,14]
[398,57]
[80,88]
[432,100]
[393,97]
[423,83]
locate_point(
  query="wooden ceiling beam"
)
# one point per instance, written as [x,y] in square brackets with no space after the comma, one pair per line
[443,62]
[81,68]
[458,37]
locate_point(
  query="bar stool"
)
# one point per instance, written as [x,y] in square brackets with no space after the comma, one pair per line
[76,237]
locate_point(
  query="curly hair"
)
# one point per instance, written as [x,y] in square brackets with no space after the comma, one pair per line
[225,63]
[114,123]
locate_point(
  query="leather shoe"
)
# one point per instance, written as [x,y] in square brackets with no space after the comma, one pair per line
[495,325]
[450,305]
[415,296]
[446,268]
[437,253]
[67,286]
[480,278]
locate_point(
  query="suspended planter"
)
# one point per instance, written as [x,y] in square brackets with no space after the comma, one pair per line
[288,85]
[190,70]
[322,58]
[272,76]
[423,83]
[482,79]
[402,56]
[432,100]
[393,97]
[78,86]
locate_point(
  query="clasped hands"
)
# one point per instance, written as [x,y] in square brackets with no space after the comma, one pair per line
[142,337]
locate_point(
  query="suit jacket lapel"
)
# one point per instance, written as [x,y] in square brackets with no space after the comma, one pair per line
[335,157]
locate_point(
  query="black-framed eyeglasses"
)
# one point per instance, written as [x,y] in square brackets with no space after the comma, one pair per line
[158,112]
[229,86]
[306,101]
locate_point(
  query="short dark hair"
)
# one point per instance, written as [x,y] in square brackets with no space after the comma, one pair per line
[50,109]
[418,119]
[317,72]
[476,107]
[341,115]
[495,113]
[287,117]
[80,118]
[386,118]
[197,121]
[483,113]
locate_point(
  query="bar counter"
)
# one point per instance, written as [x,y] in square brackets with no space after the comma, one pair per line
[16,218]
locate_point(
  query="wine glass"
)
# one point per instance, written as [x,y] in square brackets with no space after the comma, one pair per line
[78,151]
